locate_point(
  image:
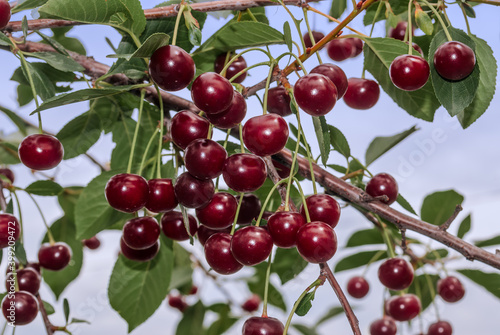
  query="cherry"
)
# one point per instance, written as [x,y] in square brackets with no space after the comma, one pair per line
[278,101]
[4,13]
[251,304]
[450,289]
[395,274]
[384,326]
[34,266]
[172,224]
[335,74]
[251,245]
[358,46]
[322,207]
[205,158]
[283,227]
[161,197]
[250,208]
[141,233]
[55,256]
[193,290]
[404,307]
[283,170]
[440,328]
[361,93]
[171,68]
[204,233]
[28,280]
[10,229]
[341,49]
[409,73]
[399,31]
[244,172]
[186,127]
[212,93]
[177,301]
[10,267]
[263,326]
[454,60]
[144,255]
[417,48]
[92,243]
[383,184]
[232,116]
[219,256]
[192,192]
[41,152]
[315,94]
[20,308]
[7,173]
[265,135]
[238,65]
[220,211]
[316,35]
[127,192]
[358,287]
[316,242]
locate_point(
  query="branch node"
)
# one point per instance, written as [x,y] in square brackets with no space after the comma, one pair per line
[364,197]
[403,240]
[448,222]
[497,252]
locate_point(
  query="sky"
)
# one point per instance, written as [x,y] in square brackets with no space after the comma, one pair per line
[440,156]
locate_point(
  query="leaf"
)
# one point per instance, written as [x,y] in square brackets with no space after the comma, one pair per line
[69,43]
[436,254]
[380,145]
[359,259]
[333,312]
[338,8]
[439,206]
[137,289]
[67,200]
[323,136]
[182,273]
[192,320]
[490,281]
[58,61]
[464,227]
[305,304]
[397,7]
[489,242]
[469,10]
[20,252]
[255,285]
[147,48]
[339,142]
[425,287]
[28,4]
[305,330]
[424,21]
[221,326]
[79,134]
[365,237]
[44,188]
[19,122]
[43,86]
[8,153]
[287,33]
[48,308]
[288,264]
[405,204]
[66,310]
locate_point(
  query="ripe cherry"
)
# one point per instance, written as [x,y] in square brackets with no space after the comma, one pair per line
[265,135]
[41,152]
[193,290]
[383,184]
[144,255]
[55,256]
[358,46]
[244,172]
[417,48]
[251,304]
[20,308]
[361,93]
[454,60]
[250,208]
[335,74]
[283,227]
[220,211]
[440,328]
[238,65]
[92,243]
[161,197]
[358,287]
[171,68]
[450,289]
[212,93]
[341,49]
[283,170]
[384,326]
[219,256]
[204,233]
[316,242]
[177,301]
[205,158]
[141,233]
[28,279]
[263,326]
[316,35]
[10,229]
[251,245]
[409,73]
[127,192]
[315,94]
[7,173]
[172,224]
[4,13]
[404,307]
[232,116]
[186,127]
[278,101]
[399,31]
[322,207]
[395,274]
[192,192]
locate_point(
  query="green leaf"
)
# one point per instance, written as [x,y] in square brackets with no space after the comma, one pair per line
[305,330]
[43,86]
[424,22]
[48,308]
[69,43]
[182,273]
[8,153]
[439,206]
[469,10]
[195,36]
[365,237]
[19,122]
[380,145]
[21,252]
[338,8]
[192,320]
[436,254]
[425,287]
[28,4]
[488,242]
[333,312]
[287,33]
[221,326]
[397,7]
[490,281]
[405,204]
[44,188]
[147,48]
[66,310]
[73,320]
[58,61]
[255,285]
[5,41]
[288,264]
[464,226]
[67,200]
[359,259]
[339,142]
[323,136]
[305,304]
[137,289]
[79,134]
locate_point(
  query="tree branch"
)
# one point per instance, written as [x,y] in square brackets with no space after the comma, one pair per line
[48,325]
[448,222]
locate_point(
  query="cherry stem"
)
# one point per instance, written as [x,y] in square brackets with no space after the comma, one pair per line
[177,21]
[268,82]
[247,69]
[373,259]
[269,195]
[387,239]
[297,59]
[242,145]
[448,36]
[430,284]
[137,126]
[234,58]
[409,29]
[224,146]
[3,202]
[4,328]
[379,9]
[148,146]
[160,144]
[20,215]
[309,156]
[311,36]
[185,220]
[296,22]
[237,213]
[49,233]
[292,173]
[266,288]
[33,88]
[331,18]
[465,18]
[304,203]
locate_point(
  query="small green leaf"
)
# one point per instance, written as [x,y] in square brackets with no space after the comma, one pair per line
[43,86]
[365,237]
[323,136]
[8,153]
[195,36]
[288,264]
[424,22]
[469,10]
[255,286]
[436,254]
[48,308]
[464,226]
[339,142]
[5,41]
[490,281]
[28,4]
[305,330]
[488,242]
[305,304]
[380,145]
[66,310]
[439,206]
[73,320]
[424,285]
[58,61]
[287,32]
[338,8]
[359,259]
[222,325]
[44,188]
[19,122]
[333,312]
[147,48]
[392,20]
[79,134]
[192,320]
[405,204]
[21,253]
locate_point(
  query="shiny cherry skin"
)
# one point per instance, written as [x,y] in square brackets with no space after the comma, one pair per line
[192,192]
[358,46]
[10,229]
[144,255]
[177,301]
[316,35]
[141,233]
[263,326]
[28,279]
[396,274]
[212,93]
[233,115]
[322,207]
[440,328]
[92,243]
[238,65]
[172,224]
[450,289]
[54,257]
[283,170]
[250,208]
[219,256]
[340,49]
[220,211]
[7,173]
[41,152]
[186,127]
[384,326]
[315,94]
[358,287]
[335,74]
[127,192]
[204,233]
[316,242]
[278,101]
[454,60]
[409,73]
[404,307]
[161,197]
[383,184]
[205,158]
[244,172]
[265,135]
[361,93]
[251,245]
[171,68]
[20,307]
[251,304]
[283,227]
[4,13]
[399,31]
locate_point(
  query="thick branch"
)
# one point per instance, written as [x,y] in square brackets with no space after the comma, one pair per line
[48,326]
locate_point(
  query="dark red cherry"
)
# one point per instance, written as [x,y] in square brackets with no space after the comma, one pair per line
[127,192]
[35,266]
[238,65]
[205,158]
[322,207]
[171,68]
[340,49]
[263,326]
[92,243]
[244,172]
[450,289]
[416,47]
[161,197]
[219,256]
[54,257]
[409,73]
[399,31]
[358,46]
[144,255]
[265,135]
[250,208]
[335,74]
[361,93]
[4,13]
[177,301]
[232,116]
[454,60]
[192,192]
[283,170]
[251,245]
[358,287]
[186,127]
[193,290]
[220,212]
[251,304]
[316,35]
[440,328]
[283,227]
[316,242]
[28,279]
[395,274]
[383,184]
[204,233]
[10,229]
[404,307]
[7,173]
[141,233]
[41,152]
[20,308]
[315,94]
[172,224]
[278,101]
[384,326]
[212,93]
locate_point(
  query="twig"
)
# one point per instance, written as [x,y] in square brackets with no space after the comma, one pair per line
[352,174]
[448,222]
[403,240]
[368,198]
[274,176]
[3,202]
[48,325]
